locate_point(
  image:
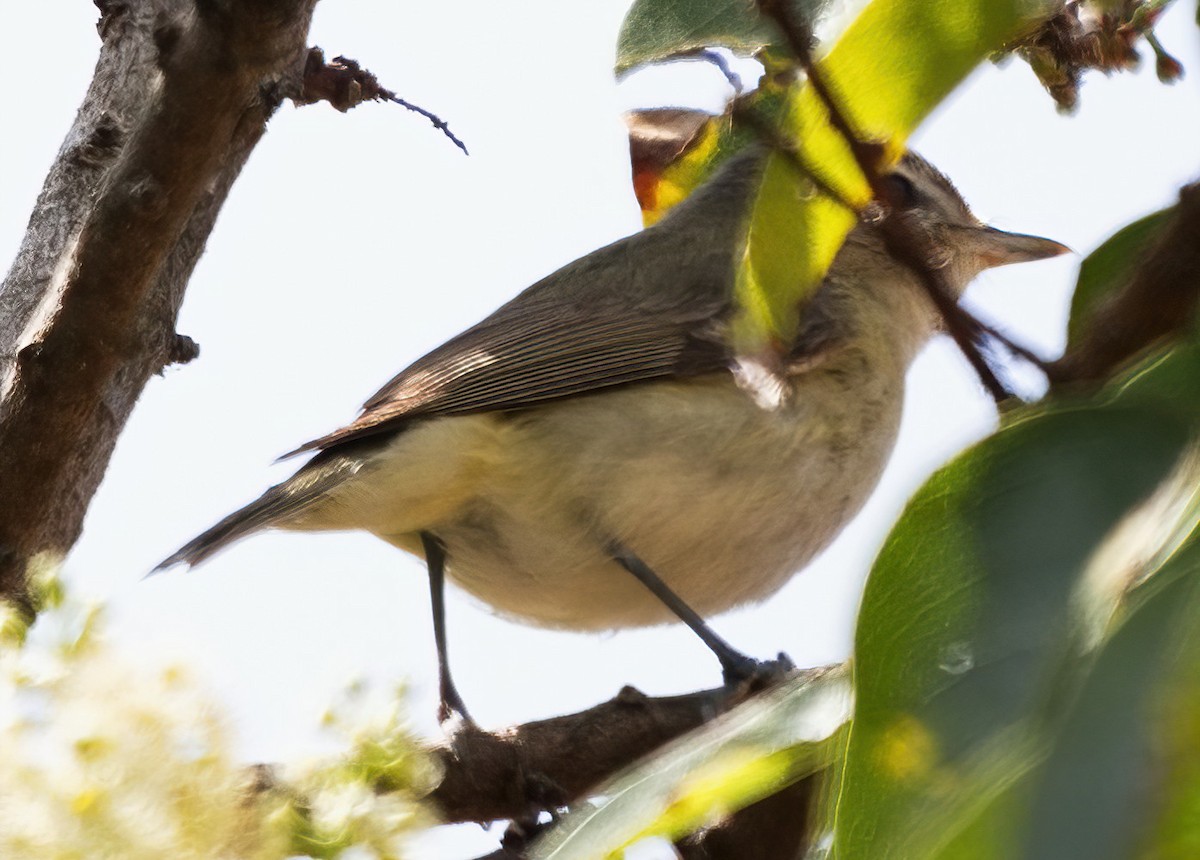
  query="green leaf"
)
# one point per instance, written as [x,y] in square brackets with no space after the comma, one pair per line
[900,58]
[969,610]
[888,71]
[1110,266]
[1169,379]
[770,285]
[1093,784]
[891,67]
[1174,740]
[753,751]
[1090,797]
[658,30]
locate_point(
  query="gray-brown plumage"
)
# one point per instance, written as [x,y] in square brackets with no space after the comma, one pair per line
[601,407]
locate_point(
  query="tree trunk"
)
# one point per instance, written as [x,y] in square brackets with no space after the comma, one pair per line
[181,95]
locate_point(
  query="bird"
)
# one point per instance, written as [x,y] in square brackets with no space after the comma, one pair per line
[594,454]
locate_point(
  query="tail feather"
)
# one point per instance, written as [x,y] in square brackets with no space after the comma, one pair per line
[239,524]
[274,507]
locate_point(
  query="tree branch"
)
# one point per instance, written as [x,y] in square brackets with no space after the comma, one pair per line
[345,84]
[519,772]
[180,96]
[550,763]
[489,775]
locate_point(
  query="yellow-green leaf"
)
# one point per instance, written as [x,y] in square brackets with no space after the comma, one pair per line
[888,70]
[745,755]
[787,214]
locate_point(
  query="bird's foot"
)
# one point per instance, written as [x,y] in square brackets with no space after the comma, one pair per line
[452,714]
[740,671]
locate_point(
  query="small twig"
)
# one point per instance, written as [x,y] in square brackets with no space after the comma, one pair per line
[1015,348]
[708,55]
[438,122]
[345,84]
[867,154]
[908,246]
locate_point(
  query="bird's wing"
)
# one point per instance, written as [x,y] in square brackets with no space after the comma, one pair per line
[650,306]
[545,345]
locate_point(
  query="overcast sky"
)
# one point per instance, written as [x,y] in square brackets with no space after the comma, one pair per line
[352,244]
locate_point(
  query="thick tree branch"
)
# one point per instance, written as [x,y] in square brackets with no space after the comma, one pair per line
[518,772]
[552,763]
[549,763]
[180,96]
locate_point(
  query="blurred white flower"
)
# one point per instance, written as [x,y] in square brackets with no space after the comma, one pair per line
[103,760]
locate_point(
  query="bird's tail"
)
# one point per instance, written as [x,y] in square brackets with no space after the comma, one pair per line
[274,507]
[234,527]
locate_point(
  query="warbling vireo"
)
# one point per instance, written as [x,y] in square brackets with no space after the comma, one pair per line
[595,426]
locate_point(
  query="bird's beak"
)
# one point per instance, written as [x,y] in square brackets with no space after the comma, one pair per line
[997,248]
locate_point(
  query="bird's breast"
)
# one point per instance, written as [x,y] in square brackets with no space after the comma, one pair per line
[724,499]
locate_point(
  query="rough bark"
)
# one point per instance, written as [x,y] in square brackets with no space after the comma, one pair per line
[180,96]
[550,763]
[518,772]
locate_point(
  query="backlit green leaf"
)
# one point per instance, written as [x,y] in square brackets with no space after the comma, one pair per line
[887,72]
[739,758]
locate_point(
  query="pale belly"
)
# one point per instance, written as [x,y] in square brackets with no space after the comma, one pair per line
[724,500]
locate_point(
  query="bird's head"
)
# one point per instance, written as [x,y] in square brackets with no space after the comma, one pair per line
[957,242]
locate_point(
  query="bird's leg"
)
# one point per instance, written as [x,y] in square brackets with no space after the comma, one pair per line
[736,667]
[450,703]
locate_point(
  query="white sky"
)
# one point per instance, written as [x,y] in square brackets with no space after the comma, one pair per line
[353,244]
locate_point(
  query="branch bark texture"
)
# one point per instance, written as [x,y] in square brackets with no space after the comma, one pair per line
[180,96]
[546,764]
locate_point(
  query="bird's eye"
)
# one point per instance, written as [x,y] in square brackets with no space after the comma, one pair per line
[901,190]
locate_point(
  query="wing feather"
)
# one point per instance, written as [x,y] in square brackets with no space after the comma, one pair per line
[647,307]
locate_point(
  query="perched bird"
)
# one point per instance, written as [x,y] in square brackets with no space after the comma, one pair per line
[598,425]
